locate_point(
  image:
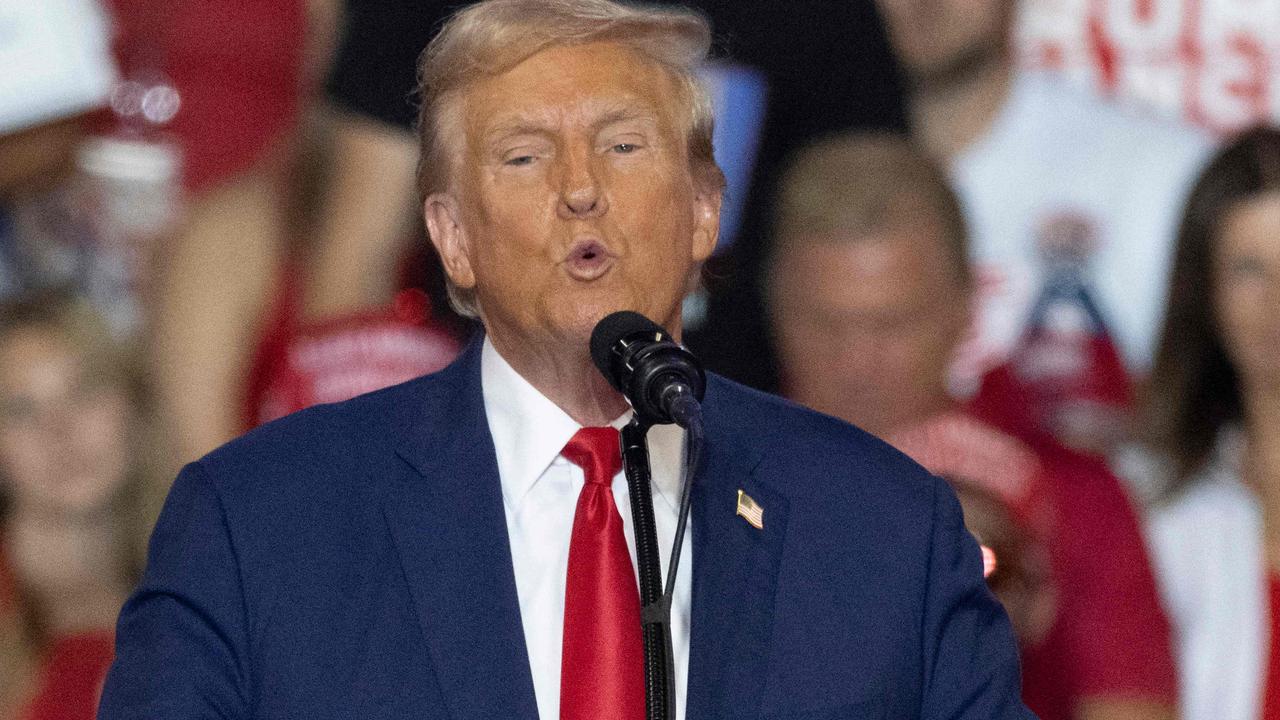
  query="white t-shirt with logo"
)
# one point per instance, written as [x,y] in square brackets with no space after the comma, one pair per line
[1057,160]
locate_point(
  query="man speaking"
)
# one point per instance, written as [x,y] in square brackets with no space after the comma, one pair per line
[460,546]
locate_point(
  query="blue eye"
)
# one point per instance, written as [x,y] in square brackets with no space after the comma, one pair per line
[518,161]
[625,148]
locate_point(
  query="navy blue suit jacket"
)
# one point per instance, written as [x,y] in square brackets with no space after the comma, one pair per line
[352,561]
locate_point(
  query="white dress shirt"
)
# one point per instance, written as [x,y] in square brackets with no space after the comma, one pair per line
[540,491]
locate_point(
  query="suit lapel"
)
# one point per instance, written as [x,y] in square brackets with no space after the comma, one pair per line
[735,572]
[449,527]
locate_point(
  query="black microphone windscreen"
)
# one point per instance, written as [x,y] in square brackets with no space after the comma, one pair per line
[613,328]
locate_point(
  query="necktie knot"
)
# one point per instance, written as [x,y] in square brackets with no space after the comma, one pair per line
[597,451]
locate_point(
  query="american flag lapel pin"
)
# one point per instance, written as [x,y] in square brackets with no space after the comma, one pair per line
[750,510]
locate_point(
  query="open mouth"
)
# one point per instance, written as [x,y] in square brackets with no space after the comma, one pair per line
[588,259]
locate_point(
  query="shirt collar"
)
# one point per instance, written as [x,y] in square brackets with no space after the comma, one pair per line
[666,461]
[529,431]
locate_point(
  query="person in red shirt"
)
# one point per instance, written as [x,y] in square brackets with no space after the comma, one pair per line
[251,321]
[243,71]
[869,293]
[70,457]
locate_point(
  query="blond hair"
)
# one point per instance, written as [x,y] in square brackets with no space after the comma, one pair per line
[853,185]
[491,37]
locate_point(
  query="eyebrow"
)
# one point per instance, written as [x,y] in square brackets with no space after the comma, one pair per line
[623,114]
[539,123]
[515,126]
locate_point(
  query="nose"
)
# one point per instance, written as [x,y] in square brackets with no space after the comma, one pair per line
[581,195]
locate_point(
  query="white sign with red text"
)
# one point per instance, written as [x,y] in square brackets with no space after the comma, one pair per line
[1215,63]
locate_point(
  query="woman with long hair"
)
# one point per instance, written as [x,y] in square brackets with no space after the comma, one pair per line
[69,471]
[1214,424]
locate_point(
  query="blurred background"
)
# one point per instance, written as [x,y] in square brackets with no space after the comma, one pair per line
[1034,244]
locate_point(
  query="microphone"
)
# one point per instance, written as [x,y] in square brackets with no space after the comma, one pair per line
[664,383]
[662,380]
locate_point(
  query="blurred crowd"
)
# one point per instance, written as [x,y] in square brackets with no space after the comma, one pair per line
[1062,302]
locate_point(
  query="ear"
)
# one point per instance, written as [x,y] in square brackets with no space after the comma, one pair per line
[706,229]
[444,224]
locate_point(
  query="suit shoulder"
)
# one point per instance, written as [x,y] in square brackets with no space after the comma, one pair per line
[839,483]
[316,441]
[823,452]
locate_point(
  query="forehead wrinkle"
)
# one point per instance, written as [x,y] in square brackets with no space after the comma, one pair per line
[623,112]
[540,122]
[598,113]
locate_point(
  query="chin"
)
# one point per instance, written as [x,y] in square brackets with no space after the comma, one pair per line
[575,315]
[576,325]
[581,314]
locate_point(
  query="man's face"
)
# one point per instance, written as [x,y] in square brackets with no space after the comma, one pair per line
[865,326]
[937,40]
[573,197]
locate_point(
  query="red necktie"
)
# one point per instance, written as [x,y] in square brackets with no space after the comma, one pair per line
[602,668]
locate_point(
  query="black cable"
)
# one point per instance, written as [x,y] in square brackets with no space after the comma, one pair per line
[692,454]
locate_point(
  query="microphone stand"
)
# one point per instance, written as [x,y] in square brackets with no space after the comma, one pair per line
[655,599]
